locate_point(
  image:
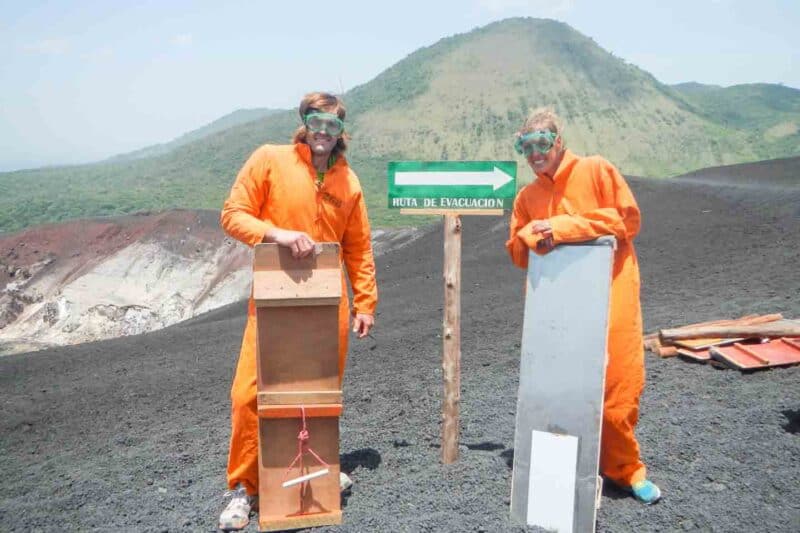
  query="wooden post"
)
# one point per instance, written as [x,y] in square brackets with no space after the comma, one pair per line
[451,189]
[451,337]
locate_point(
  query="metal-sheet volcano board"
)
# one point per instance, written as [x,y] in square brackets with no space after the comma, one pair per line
[562,375]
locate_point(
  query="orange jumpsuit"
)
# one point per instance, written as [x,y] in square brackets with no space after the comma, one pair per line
[277,187]
[588,198]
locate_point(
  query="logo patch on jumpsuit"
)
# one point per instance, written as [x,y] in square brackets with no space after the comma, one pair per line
[331,199]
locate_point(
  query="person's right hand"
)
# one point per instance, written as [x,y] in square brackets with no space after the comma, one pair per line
[546,243]
[298,242]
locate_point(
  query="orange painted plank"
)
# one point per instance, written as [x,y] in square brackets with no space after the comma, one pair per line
[698,355]
[294,411]
[751,353]
[699,344]
[282,523]
[795,343]
[777,352]
[299,397]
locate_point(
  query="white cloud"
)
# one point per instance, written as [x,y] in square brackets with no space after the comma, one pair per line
[184,39]
[531,7]
[48,47]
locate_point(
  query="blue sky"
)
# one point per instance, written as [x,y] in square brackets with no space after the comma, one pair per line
[84,80]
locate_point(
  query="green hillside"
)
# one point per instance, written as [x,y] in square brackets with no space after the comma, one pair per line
[461,98]
[769,113]
[240,116]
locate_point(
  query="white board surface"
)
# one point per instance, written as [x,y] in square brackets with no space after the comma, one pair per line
[551,485]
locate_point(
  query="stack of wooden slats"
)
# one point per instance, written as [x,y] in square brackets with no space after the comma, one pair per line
[739,343]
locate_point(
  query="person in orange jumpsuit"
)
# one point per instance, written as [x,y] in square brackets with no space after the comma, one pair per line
[576,199]
[295,195]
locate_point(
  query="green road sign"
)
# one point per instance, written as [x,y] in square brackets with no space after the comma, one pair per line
[452,184]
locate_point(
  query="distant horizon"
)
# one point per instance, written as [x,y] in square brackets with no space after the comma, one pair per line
[84,82]
[166,141]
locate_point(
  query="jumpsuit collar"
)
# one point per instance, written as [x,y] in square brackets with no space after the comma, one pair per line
[304,151]
[568,160]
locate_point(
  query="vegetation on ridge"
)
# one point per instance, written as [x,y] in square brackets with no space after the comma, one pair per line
[460,98]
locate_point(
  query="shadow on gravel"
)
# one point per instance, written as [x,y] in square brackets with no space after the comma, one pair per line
[793,417]
[366,457]
[613,492]
[508,455]
[485,446]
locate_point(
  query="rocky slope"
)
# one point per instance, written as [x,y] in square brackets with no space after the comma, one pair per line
[95,279]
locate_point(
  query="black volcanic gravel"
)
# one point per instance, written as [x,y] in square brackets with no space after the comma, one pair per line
[131,434]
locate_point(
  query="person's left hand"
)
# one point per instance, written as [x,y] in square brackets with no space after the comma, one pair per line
[362,323]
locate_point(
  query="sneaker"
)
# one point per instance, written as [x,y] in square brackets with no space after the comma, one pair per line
[646,492]
[237,513]
[344,482]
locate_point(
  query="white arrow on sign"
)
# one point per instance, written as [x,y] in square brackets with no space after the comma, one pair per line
[496,178]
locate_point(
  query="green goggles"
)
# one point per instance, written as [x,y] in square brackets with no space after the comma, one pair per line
[539,141]
[324,123]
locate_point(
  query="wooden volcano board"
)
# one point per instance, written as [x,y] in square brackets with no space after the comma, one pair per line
[562,373]
[297,314]
[777,352]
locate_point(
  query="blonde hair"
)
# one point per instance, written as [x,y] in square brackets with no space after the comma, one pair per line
[543,117]
[327,103]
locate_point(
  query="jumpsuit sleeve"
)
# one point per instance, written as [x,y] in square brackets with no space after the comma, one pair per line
[621,219]
[516,244]
[241,211]
[358,259]
[521,237]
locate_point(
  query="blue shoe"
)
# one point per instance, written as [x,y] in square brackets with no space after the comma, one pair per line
[646,492]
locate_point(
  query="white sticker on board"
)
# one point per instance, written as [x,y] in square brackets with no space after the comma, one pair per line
[551,484]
